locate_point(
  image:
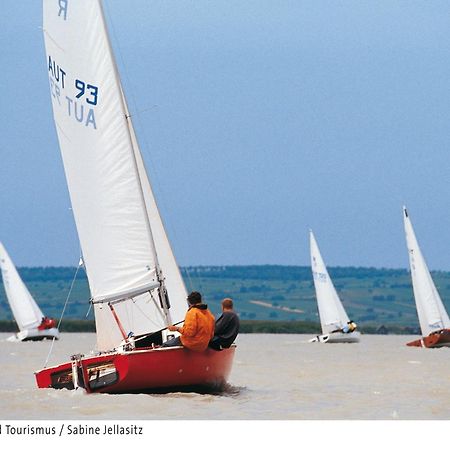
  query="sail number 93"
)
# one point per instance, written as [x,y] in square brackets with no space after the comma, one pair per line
[89,90]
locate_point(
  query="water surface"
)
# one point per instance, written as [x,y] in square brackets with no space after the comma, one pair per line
[273,377]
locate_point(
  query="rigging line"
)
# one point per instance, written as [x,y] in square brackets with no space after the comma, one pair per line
[145,315]
[141,111]
[186,269]
[131,317]
[89,310]
[158,309]
[82,264]
[64,309]
[52,39]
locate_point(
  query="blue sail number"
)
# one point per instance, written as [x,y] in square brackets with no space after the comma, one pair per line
[89,90]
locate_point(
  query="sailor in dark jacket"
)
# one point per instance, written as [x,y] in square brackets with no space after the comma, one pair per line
[226,327]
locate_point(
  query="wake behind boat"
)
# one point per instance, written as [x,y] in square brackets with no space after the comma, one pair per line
[433,318]
[136,287]
[33,325]
[336,326]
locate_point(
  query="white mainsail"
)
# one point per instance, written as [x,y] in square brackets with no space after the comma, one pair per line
[430,309]
[121,234]
[331,312]
[25,310]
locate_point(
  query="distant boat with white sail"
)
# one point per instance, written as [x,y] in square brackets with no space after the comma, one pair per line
[336,326]
[33,325]
[433,318]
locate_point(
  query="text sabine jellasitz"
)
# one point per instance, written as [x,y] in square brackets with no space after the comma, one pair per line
[70,430]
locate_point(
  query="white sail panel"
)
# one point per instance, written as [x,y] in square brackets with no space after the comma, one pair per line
[430,309]
[331,312]
[25,310]
[101,169]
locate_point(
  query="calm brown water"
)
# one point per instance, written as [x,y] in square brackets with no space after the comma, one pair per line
[273,377]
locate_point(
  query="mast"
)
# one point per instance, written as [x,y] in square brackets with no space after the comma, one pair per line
[162,293]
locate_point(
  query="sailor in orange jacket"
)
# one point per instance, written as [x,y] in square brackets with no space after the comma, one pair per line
[198,328]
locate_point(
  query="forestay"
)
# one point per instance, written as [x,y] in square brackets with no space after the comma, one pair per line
[119,227]
[25,310]
[430,309]
[331,312]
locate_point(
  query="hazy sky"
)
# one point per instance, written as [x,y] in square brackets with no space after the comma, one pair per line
[258,120]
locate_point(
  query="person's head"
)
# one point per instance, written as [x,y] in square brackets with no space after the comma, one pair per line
[227,304]
[194,298]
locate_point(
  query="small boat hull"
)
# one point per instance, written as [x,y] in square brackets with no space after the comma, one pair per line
[143,371]
[35,334]
[437,339]
[336,338]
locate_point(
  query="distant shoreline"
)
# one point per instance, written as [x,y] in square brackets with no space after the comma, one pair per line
[376,299]
[247,327]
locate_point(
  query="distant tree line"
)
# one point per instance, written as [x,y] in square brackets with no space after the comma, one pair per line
[247,327]
[254,272]
[29,274]
[277,272]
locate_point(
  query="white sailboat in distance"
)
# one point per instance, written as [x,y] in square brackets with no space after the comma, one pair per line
[336,326]
[433,318]
[135,285]
[33,325]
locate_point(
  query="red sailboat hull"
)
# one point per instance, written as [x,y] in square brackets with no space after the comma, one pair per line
[437,339]
[143,370]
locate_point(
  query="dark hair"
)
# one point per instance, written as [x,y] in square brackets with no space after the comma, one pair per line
[194,298]
[227,303]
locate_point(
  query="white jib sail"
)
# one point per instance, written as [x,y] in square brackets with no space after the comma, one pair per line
[331,312]
[430,309]
[25,310]
[103,169]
